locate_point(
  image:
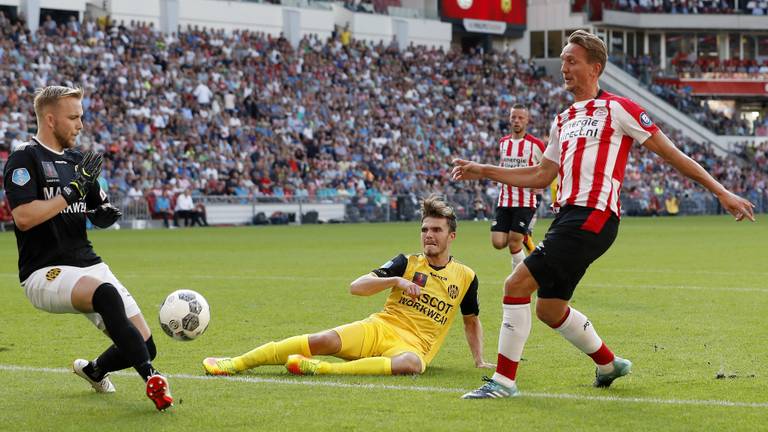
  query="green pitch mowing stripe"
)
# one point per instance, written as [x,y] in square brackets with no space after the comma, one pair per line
[428,389]
[487,281]
[683,298]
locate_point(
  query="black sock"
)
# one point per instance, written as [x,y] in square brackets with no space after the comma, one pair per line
[93,371]
[146,370]
[127,338]
[113,360]
[151,348]
[110,360]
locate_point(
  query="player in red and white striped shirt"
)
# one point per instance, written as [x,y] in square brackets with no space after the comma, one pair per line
[588,149]
[516,205]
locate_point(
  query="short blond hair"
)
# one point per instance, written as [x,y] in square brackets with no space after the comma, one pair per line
[434,206]
[595,47]
[50,95]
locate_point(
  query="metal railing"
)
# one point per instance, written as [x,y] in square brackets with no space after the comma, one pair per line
[273,210]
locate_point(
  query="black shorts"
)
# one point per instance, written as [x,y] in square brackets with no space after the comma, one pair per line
[514,219]
[576,238]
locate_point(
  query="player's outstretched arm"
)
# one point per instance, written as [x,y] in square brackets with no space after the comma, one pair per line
[370,284]
[473,330]
[739,207]
[33,213]
[538,176]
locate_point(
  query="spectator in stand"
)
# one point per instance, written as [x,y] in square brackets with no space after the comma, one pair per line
[73,26]
[346,35]
[756,7]
[49,26]
[186,209]
[480,208]
[163,206]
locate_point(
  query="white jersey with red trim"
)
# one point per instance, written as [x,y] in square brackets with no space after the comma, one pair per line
[515,153]
[590,141]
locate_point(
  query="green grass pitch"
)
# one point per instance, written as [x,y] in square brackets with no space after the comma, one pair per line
[684,298]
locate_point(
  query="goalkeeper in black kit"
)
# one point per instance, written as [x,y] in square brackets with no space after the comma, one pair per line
[51,189]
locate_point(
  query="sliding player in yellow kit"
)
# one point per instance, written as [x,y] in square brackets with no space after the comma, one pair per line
[426,292]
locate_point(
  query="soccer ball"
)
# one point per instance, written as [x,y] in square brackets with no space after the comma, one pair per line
[184,315]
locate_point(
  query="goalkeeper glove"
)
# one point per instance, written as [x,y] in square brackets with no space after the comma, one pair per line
[86,174]
[105,215]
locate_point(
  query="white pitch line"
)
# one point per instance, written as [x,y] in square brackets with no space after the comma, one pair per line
[485,281]
[457,391]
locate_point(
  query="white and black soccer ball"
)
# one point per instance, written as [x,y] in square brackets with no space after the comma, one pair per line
[184,315]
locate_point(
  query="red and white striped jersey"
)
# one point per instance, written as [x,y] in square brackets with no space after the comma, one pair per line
[590,141]
[514,153]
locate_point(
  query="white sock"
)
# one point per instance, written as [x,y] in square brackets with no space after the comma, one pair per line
[515,329]
[579,331]
[517,258]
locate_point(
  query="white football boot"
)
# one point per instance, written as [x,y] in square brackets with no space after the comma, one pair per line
[103,386]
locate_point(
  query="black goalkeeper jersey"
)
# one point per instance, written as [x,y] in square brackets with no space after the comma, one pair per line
[35,172]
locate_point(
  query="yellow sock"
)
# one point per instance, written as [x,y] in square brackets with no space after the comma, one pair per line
[528,242]
[365,366]
[273,353]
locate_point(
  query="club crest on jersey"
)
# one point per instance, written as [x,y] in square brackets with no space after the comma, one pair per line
[20,176]
[600,112]
[464,4]
[419,279]
[453,291]
[645,120]
[52,274]
[506,6]
[49,169]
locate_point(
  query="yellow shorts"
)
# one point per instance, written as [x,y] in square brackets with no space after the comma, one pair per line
[372,338]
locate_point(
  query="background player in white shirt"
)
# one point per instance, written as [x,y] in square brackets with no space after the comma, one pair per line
[588,149]
[515,206]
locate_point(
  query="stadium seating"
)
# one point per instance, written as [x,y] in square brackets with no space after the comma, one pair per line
[746,7]
[671,88]
[684,6]
[247,115]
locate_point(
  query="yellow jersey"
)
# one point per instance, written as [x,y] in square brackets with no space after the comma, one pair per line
[424,322]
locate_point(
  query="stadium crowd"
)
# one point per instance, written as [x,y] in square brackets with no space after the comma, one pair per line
[696,108]
[750,7]
[749,69]
[688,65]
[655,188]
[680,97]
[364,6]
[246,115]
